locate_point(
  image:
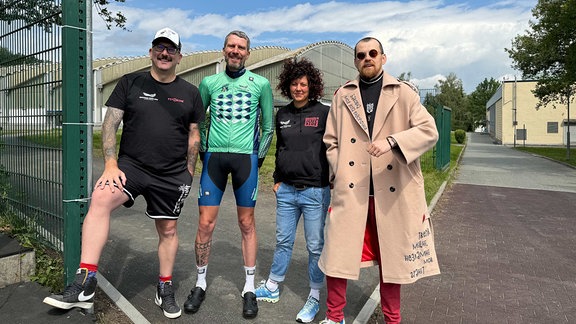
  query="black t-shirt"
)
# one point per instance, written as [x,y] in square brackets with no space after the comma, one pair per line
[157,118]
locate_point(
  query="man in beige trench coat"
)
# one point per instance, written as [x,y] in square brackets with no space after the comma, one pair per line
[376,131]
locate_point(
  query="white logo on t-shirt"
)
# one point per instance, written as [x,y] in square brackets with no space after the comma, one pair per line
[148,96]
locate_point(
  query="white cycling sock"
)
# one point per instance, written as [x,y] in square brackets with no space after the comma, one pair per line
[249,285]
[201,279]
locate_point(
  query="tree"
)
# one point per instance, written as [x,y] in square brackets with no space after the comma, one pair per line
[9,58]
[31,11]
[430,102]
[109,17]
[405,76]
[450,93]
[45,13]
[478,98]
[547,52]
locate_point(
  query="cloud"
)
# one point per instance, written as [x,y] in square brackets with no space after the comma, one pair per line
[427,38]
[468,42]
[428,82]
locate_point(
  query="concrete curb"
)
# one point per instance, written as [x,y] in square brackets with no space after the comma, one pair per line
[369,308]
[549,159]
[120,300]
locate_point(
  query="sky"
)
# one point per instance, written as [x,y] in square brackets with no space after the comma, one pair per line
[427,38]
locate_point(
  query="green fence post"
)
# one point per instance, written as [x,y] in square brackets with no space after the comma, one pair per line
[447,135]
[76,130]
[443,124]
[438,111]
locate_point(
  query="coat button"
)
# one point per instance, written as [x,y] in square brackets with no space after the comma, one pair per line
[389,167]
[351,163]
[351,185]
[392,189]
[353,140]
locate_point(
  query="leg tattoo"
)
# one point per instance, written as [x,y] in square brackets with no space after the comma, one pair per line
[202,253]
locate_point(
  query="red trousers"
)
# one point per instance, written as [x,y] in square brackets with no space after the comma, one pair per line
[389,292]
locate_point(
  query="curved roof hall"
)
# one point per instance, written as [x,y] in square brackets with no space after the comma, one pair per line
[333,58]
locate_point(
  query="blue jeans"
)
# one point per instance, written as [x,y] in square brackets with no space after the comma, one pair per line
[312,203]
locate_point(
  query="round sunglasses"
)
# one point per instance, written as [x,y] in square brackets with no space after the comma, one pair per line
[362,55]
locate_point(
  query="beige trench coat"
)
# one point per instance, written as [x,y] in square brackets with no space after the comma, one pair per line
[404,229]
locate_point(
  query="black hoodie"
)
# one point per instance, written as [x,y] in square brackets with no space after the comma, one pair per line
[300,150]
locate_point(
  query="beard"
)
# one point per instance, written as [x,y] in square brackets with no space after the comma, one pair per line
[235,64]
[369,72]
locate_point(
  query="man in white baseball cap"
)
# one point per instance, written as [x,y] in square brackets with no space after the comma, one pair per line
[156,159]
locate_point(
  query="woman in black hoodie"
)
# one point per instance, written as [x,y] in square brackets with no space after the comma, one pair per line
[300,180]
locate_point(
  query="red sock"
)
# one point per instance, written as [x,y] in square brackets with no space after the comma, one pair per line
[164,279]
[90,267]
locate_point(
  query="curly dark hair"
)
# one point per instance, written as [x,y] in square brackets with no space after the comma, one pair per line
[294,69]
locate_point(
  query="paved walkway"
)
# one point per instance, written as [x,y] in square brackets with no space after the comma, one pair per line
[505,233]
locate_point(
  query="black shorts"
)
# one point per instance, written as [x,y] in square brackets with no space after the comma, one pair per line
[164,194]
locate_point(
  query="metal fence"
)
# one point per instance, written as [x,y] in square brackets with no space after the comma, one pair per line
[438,158]
[44,119]
[443,116]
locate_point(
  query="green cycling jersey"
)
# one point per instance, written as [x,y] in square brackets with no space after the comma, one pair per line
[240,116]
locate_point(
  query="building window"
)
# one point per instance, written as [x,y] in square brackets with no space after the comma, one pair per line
[552,127]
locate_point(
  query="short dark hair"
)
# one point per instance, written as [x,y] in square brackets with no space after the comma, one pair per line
[240,34]
[294,69]
[366,39]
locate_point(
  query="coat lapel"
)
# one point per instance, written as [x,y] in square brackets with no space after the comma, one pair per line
[353,102]
[385,103]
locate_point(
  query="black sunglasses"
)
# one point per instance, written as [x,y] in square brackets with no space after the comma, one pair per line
[361,55]
[160,48]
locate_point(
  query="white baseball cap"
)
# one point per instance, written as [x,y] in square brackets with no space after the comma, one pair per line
[168,34]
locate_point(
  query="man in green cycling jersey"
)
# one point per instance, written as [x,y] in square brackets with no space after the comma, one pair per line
[235,141]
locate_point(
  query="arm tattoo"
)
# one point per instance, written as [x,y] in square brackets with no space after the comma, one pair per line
[202,253]
[109,129]
[193,147]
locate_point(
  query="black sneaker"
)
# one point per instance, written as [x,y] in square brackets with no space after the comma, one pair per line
[194,300]
[165,299]
[250,309]
[80,293]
